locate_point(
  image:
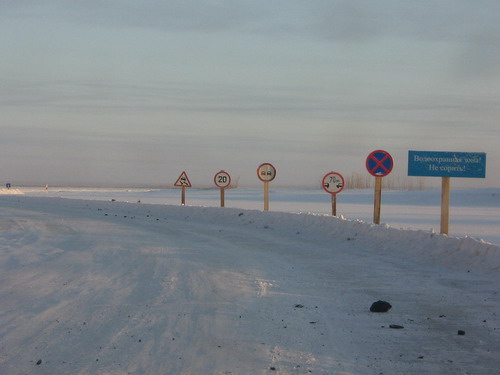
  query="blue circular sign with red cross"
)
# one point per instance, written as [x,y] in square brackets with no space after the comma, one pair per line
[379,163]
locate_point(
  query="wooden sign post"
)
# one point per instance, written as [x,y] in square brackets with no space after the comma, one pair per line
[183,182]
[333,183]
[379,164]
[445,204]
[446,164]
[266,173]
[377,202]
[222,180]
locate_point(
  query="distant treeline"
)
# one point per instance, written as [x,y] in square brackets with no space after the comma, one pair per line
[391,182]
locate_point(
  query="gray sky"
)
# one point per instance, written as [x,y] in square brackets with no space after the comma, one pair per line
[134,92]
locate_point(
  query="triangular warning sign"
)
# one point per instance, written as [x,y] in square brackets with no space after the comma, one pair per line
[183,181]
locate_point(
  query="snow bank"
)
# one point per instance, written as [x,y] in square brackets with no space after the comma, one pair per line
[465,252]
[460,252]
[11,192]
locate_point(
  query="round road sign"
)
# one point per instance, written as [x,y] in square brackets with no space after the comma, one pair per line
[379,163]
[266,172]
[333,183]
[222,179]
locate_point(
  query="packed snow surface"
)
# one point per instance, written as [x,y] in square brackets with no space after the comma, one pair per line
[97,286]
[473,212]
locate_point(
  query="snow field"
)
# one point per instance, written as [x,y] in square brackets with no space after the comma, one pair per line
[96,287]
[473,212]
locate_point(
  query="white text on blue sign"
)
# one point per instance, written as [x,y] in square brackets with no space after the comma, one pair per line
[447,164]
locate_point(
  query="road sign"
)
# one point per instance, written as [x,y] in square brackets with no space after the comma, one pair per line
[333,183]
[379,163]
[182,181]
[447,164]
[222,179]
[266,172]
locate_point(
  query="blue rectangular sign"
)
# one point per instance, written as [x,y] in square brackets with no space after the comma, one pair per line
[447,164]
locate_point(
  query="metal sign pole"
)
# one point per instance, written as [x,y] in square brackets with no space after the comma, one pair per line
[183,196]
[222,197]
[334,204]
[445,204]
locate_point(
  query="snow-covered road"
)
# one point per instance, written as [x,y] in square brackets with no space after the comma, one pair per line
[94,287]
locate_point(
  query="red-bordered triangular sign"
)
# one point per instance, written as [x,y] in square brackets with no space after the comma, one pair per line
[183,181]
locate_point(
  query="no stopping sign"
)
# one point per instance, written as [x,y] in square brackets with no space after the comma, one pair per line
[379,163]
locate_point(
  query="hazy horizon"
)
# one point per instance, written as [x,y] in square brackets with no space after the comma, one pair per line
[134,93]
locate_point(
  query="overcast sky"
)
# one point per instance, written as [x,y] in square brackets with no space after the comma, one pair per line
[134,92]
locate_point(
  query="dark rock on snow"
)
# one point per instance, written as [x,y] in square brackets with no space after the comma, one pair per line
[380,306]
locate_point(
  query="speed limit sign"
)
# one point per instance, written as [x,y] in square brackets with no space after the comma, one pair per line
[222,179]
[333,183]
